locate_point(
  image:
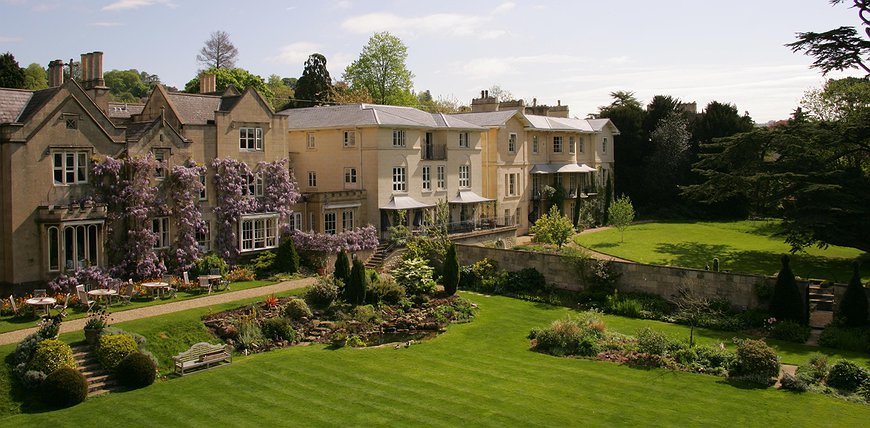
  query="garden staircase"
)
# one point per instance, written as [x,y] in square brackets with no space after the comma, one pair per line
[821,298]
[99,380]
[377,259]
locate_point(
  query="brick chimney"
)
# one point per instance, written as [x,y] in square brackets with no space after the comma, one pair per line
[207,83]
[55,73]
[92,79]
[485,103]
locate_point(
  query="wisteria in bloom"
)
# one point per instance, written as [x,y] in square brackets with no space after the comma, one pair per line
[230,182]
[92,275]
[185,187]
[280,189]
[358,239]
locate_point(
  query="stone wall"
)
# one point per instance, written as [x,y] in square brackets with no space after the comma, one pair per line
[506,234]
[739,289]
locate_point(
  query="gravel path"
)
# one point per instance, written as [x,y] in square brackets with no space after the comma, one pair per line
[152,311]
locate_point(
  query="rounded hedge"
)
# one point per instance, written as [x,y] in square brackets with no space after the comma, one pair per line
[847,376]
[50,355]
[64,387]
[278,328]
[136,370]
[755,360]
[296,309]
[111,349]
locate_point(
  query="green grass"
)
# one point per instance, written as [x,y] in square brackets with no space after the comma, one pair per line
[477,374]
[10,323]
[742,246]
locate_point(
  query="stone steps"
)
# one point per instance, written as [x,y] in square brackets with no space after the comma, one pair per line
[99,380]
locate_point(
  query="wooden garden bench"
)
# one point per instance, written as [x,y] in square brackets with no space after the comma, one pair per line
[200,355]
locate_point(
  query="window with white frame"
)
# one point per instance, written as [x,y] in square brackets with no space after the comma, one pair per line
[350,177]
[604,145]
[312,179]
[329,222]
[203,238]
[258,232]
[310,140]
[294,222]
[398,138]
[347,219]
[72,246]
[571,145]
[203,191]
[70,167]
[427,178]
[253,185]
[510,184]
[160,228]
[535,144]
[512,142]
[399,182]
[162,158]
[349,138]
[440,177]
[251,139]
[464,176]
[557,144]
[463,139]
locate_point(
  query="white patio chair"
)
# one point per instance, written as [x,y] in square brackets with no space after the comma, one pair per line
[15,311]
[205,283]
[62,308]
[186,278]
[85,300]
[127,295]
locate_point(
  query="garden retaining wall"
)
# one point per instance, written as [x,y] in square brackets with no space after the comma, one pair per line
[664,281]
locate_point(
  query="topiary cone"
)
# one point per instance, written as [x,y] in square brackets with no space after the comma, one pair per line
[853,308]
[786,302]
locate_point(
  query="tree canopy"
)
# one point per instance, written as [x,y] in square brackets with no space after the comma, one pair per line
[841,48]
[127,85]
[282,92]
[381,70]
[35,77]
[315,85]
[620,214]
[218,52]
[553,228]
[238,77]
[11,74]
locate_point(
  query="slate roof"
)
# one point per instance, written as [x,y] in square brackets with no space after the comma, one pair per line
[548,123]
[490,118]
[535,122]
[12,103]
[135,131]
[124,110]
[598,124]
[195,109]
[360,115]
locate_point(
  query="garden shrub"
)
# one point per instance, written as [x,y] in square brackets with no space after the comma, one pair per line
[354,341]
[364,314]
[471,276]
[790,331]
[792,383]
[250,335]
[136,370]
[450,273]
[652,342]
[713,359]
[278,328]
[815,370]
[24,349]
[527,280]
[385,290]
[323,292]
[415,275]
[113,348]
[626,307]
[756,362]
[851,339]
[569,336]
[355,290]
[297,309]
[847,376]
[264,264]
[341,269]
[287,260]
[240,273]
[786,302]
[64,387]
[463,310]
[852,310]
[204,265]
[50,355]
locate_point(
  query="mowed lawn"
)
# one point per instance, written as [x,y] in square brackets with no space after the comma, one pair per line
[477,374]
[743,246]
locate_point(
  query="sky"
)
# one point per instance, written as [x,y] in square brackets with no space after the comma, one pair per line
[574,52]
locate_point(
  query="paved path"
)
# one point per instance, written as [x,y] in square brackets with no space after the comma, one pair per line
[152,311]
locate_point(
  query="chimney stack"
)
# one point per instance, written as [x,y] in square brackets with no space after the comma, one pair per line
[97,68]
[55,73]
[207,84]
[85,68]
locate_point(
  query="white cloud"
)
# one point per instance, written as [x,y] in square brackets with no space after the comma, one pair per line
[295,54]
[5,39]
[135,4]
[438,24]
[504,7]
[493,66]
[106,24]
[343,4]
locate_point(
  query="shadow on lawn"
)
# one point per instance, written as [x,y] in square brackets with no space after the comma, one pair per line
[692,254]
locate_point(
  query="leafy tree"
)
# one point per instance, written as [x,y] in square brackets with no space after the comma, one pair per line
[839,99]
[356,285]
[660,107]
[238,77]
[287,259]
[218,52]
[620,214]
[666,165]
[692,309]
[786,302]
[315,85]
[441,105]
[553,228]
[381,69]
[11,74]
[35,77]
[500,94]
[840,48]
[342,93]
[450,276]
[628,116]
[281,92]
[853,308]
[342,267]
[126,86]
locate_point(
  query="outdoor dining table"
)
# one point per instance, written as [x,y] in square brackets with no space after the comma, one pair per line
[210,278]
[46,302]
[104,293]
[156,286]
